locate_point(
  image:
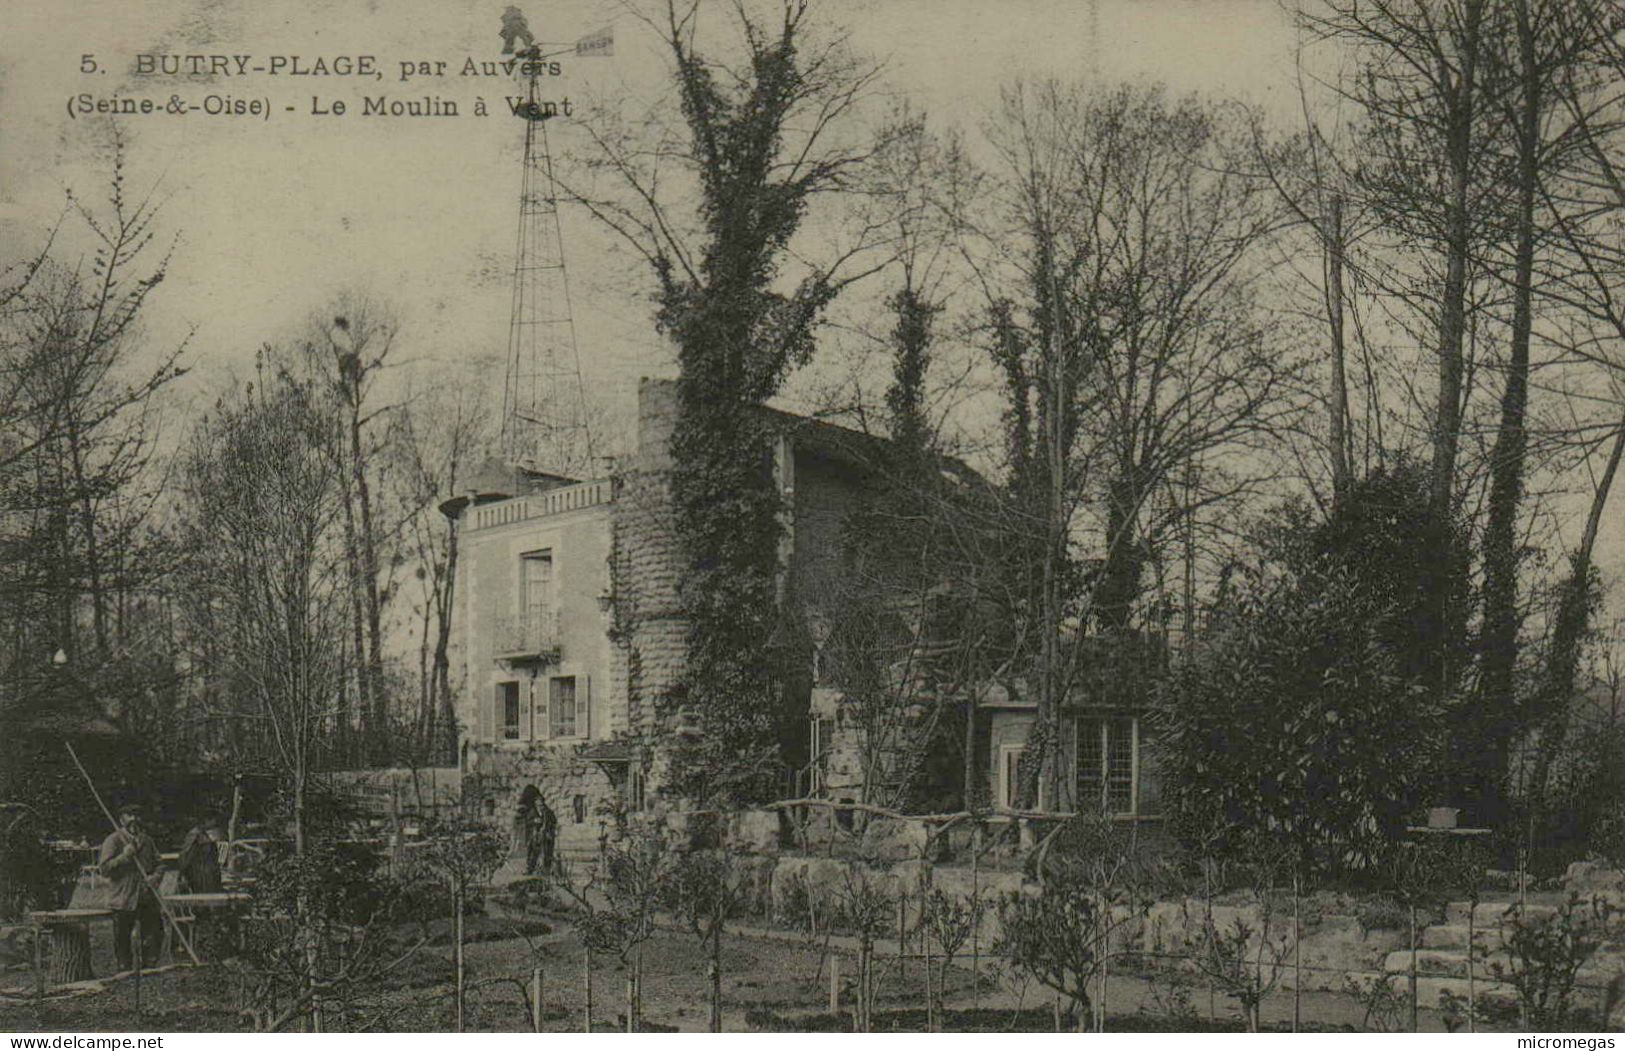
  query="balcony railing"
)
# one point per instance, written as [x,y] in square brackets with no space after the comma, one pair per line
[531,636]
[549,502]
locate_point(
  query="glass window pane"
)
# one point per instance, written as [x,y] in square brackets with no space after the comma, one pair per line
[510,711]
[1120,766]
[1091,764]
[562,706]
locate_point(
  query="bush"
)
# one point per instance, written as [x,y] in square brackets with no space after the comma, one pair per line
[1311,713]
[1381,914]
[1062,936]
[32,875]
[1546,954]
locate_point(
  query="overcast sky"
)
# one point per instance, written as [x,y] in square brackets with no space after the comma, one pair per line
[273,217]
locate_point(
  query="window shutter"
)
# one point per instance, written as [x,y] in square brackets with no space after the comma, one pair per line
[539,703]
[583,706]
[487,730]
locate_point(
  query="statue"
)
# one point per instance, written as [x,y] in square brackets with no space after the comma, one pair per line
[514,28]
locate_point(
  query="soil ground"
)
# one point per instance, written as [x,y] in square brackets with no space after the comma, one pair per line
[771,981]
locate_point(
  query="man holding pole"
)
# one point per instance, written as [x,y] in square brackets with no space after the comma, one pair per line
[126,855]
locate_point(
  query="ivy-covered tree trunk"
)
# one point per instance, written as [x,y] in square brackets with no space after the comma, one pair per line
[736,340]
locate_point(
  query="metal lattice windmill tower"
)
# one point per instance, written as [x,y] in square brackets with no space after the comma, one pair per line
[544,404]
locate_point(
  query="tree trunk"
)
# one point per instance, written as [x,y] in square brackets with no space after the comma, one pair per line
[1569,629]
[1339,394]
[358,642]
[70,952]
[442,643]
[370,593]
[1460,113]
[93,556]
[1501,621]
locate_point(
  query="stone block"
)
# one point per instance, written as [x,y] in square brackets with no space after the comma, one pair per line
[892,839]
[1589,876]
[754,873]
[755,831]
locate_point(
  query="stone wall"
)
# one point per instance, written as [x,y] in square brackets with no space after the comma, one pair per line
[561,775]
[787,887]
[649,628]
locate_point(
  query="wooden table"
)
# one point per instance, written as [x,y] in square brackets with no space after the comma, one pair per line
[220,899]
[69,930]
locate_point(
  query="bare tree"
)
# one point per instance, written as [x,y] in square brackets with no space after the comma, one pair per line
[267,576]
[1134,353]
[442,435]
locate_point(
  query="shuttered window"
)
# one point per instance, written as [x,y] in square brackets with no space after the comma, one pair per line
[508,710]
[562,707]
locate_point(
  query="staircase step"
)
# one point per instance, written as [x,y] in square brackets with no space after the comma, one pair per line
[1489,914]
[1429,990]
[1452,964]
[1454,936]
[1438,962]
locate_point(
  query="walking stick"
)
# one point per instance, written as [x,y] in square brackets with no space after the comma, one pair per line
[145,877]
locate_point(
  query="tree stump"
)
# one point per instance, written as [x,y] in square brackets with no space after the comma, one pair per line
[70,952]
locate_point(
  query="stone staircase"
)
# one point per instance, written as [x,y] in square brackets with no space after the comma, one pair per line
[576,847]
[1443,953]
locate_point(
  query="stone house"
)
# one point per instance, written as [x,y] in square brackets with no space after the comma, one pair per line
[568,628]
[569,631]
[1107,738]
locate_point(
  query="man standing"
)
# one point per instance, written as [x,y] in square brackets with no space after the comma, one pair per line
[547,836]
[124,856]
[539,827]
[199,860]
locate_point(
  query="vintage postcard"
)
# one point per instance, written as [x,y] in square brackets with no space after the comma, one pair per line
[657,516]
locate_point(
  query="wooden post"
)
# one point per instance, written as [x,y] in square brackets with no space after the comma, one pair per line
[1413,968]
[39,965]
[457,949]
[902,935]
[536,999]
[394,825]
[1100,1010]
[586,971]
[930,1003]
[834,984]
[976,920]
[634,990]
[231,823]
[865,962]
[1297,955]
[716,978]
[1472,998]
